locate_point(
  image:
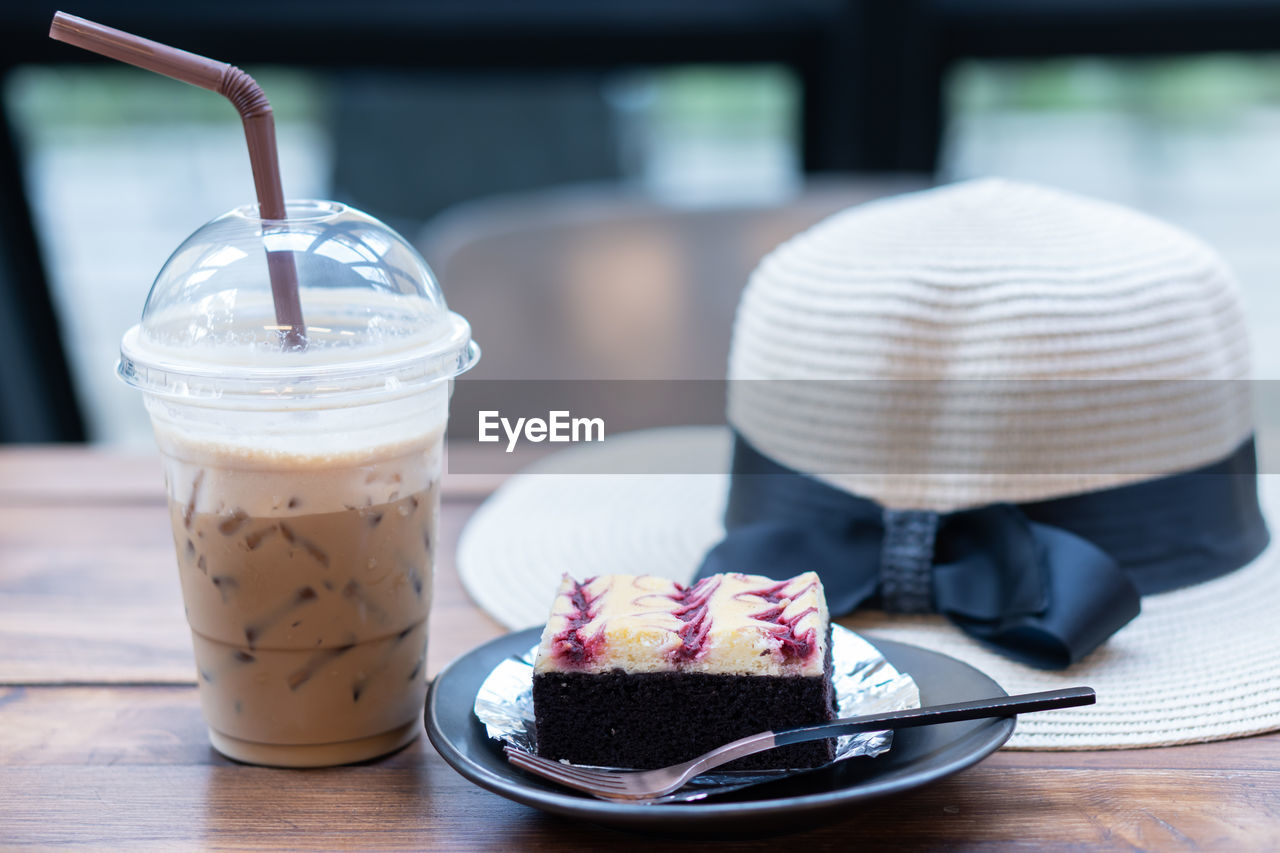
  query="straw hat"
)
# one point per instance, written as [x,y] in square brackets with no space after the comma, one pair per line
[1050,340]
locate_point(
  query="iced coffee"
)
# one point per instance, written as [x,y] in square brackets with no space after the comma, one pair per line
[296,358]
[303,482]
[307,582]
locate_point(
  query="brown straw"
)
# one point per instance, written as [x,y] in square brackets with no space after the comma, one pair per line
[259,132]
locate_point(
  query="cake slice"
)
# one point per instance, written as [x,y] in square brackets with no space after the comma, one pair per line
[641,671]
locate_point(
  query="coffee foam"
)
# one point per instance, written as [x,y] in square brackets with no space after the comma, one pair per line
[275,481]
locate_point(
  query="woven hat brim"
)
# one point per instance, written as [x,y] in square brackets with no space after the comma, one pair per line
[1199,664]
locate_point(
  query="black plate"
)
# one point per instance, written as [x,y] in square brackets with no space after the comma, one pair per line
[918,756]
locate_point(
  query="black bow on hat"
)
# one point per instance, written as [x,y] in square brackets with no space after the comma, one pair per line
[1044,583]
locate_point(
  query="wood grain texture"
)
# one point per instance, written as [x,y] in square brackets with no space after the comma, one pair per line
[102,744]
[131,768]
[78,474]
[89,593]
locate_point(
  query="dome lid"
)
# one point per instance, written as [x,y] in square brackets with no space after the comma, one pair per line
[376,320]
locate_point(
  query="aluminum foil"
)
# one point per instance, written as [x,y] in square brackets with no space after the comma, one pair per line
[864,682]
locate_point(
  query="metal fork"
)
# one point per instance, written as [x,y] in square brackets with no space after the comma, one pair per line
[650,784]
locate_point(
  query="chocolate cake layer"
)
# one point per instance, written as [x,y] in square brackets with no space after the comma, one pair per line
[654,719]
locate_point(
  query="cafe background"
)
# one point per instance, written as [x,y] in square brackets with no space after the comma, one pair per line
[592,182]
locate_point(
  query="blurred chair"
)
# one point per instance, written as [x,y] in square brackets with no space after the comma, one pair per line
[596,282]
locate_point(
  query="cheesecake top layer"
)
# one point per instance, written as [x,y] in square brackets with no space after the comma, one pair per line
[725,624]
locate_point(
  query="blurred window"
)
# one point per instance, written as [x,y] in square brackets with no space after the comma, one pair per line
[1193,140]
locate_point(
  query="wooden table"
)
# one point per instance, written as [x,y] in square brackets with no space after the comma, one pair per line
[102,743]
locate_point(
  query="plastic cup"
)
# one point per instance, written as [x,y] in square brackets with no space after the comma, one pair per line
[302,483]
